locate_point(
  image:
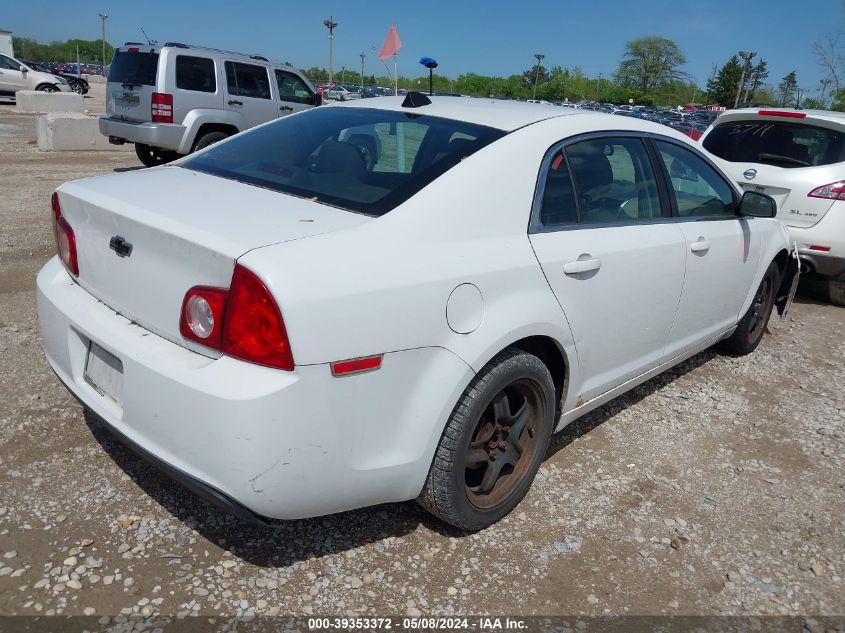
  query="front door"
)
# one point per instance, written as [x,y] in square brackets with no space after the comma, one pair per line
[722,249]
[294,95]
[612,256]
[249,93]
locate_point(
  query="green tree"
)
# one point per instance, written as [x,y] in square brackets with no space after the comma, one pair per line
[89,50]
[650,62]
[754,80]
[722,88]
[787,88]
[838,100]
[537,72]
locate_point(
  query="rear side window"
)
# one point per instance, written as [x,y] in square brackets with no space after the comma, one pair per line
[779,143]
[138,69]
[360,159]
[614,180]
[247,80]
[698,189]
[195,73]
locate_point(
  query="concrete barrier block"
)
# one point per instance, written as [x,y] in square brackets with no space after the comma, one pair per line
[64,131]
[37,101]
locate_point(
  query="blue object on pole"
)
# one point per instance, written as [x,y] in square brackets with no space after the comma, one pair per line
[431,64]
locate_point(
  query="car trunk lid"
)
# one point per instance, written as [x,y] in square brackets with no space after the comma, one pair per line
[144,238]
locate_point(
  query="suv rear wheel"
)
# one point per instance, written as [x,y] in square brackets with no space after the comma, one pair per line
[152,156]
[209,138]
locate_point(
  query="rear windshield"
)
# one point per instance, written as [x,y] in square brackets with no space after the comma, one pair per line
[138,69]
[776,143]
[363,160]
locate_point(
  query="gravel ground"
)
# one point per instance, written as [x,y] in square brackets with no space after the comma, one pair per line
[717,488]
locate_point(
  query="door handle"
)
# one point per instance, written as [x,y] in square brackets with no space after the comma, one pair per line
[286,108]
[582,266]
[700,246]
[233,102]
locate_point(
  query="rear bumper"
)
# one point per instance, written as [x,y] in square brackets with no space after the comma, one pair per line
[828,232]
[163,135]
[254,440]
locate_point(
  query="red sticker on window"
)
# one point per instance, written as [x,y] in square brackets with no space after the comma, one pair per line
[557,161]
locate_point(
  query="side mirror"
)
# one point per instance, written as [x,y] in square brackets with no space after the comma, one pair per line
[757,205]
[24,69]
[318,99]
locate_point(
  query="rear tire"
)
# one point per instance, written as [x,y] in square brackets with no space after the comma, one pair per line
[753,325]
[154,156]
[836,289]
[493,443]
[210,138]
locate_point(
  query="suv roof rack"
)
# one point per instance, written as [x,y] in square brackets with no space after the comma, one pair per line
[133,44]
[176,45]
[259,57]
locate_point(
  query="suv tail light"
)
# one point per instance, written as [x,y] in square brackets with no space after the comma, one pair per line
[65,238]
[833,191]
[243,322]
[162,107]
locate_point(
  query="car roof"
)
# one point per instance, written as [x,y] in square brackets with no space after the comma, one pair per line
[507,115]
[789,114]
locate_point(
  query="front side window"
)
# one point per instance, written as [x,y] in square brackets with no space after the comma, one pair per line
[614,180]
[777,143]
[292,88]
[698,189]
[247,80]
[360,159]
[195,73]
[9,64]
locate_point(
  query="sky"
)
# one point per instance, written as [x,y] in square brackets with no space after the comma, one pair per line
[497,37]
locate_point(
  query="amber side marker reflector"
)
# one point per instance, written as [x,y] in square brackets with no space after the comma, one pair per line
[356,365]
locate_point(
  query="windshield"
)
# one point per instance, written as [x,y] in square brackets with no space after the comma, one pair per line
[363,160]
[138,69]
[776,143]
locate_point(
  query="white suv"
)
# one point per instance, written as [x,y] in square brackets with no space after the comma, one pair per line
[798,158]
[15,76]
[175,99]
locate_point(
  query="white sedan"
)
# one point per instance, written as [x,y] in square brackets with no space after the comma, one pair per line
[398,300]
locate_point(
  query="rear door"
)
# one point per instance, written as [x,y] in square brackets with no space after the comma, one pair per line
[612,255]
[294,94]
[722,249]
[131,83]
[249,92]
[786,157]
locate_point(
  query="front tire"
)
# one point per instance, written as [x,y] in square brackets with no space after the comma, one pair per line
[751,328]
[836,290]
[153,156]
[493,443]
[47,88]
[77,87]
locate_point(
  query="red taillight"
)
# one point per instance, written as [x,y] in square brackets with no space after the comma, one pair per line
[203,311]
[162,107]
[784,113]
[821,249]
[356,365]
[65,238]
[253,328]
[833,191]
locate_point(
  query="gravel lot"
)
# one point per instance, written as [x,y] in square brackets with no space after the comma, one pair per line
[718,488]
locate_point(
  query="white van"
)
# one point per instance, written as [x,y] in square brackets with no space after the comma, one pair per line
[175,99]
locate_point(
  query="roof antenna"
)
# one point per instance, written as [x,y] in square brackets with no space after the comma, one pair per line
[149,41]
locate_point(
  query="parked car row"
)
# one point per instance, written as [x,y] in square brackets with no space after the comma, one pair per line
[77,84]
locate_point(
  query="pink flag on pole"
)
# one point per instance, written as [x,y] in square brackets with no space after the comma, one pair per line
[391,45]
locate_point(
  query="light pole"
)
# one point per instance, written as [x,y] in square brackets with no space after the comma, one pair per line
[362,73]
[598,87]
[103,17]
[539,57]
[747,57]
[330,24]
